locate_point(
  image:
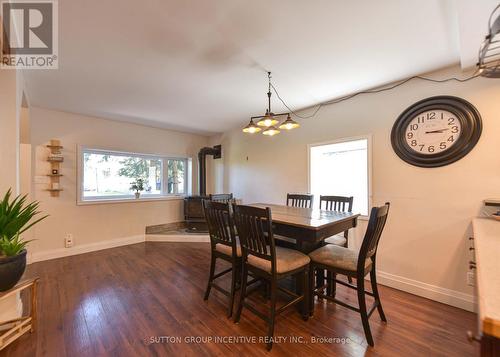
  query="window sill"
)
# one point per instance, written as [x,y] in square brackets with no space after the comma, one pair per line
[129,200]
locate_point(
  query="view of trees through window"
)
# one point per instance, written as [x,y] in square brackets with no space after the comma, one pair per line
[110,175]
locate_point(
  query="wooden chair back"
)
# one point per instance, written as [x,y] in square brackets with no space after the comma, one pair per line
[220,223]
[299,200]
[255,231]
[376,224]
[336,203]
[222,197]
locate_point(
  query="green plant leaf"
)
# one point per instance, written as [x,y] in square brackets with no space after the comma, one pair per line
[16,215]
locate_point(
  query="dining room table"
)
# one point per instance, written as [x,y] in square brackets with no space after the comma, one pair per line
[305,229]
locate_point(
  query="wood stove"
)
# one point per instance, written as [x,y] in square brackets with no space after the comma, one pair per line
[193,209]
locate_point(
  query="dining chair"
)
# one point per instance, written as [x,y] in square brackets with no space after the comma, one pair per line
[222,197]
[264,259]
[340,204]
[299,200]
[349,262]
[223,245]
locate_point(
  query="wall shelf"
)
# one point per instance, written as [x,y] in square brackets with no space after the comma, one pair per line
[51,159]
[495,202]
[55,167]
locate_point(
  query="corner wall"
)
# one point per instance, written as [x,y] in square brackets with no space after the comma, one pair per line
[424,249]
[97,226]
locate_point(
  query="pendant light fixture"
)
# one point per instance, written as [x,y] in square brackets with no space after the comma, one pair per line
[271,131]
[251,128]
[269,120]
[289,123]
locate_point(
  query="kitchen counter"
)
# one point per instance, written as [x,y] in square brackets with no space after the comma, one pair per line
[487,254]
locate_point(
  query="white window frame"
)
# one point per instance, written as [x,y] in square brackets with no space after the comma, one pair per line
[131,198]
[368,138]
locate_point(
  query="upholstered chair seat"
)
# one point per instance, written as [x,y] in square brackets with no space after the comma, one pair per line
[228,250]
[337,240]
[338,257]
[286,260]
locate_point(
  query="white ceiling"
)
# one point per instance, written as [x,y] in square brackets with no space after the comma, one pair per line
[199,65]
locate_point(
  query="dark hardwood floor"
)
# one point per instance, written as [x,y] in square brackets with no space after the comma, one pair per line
[126,301]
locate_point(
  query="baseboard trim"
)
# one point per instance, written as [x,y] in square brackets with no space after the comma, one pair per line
[178,238]
[85,248]
[432,292]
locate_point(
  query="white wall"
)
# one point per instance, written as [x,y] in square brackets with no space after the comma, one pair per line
[11,87]
[9,130]
[91,225]
[424,248]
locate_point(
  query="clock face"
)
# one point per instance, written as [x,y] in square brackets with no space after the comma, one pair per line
[433,131]
[436,131]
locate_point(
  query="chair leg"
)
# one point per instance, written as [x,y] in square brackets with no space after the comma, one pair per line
[362,311]
[305,294]
[310,291]
[332,284]
[243,291]
[346,245]
[320,278]
[210,276]
[270,332]
[329,283]
[373,279]
[234,275]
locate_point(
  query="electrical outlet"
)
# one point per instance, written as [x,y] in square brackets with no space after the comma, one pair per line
[68,240]
[471,278]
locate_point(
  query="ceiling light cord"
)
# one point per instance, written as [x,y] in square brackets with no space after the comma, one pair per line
[341,99]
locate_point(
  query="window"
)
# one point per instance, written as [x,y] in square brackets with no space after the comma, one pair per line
[109,175]
[341,168]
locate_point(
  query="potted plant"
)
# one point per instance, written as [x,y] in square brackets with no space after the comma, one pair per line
[137,186]
[15,218]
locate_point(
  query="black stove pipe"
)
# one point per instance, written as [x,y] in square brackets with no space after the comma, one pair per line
[202,165]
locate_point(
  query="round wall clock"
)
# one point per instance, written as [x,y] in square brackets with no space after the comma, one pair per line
[436,131]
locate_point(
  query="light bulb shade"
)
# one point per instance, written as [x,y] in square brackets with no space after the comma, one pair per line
[289,124]
[271,131]
[268,120]
[251,128]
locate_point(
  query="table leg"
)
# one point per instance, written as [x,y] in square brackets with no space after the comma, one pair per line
[33,312]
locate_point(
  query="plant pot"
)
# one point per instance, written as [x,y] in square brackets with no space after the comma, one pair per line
[11,270]
[137,194]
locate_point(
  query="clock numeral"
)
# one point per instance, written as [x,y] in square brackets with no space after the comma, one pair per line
[451,139]
[451,121]
[422,147]
[409,135]
[430,148]
[414,143]
[454,129]
[431,116]
[442,145]
[413,126]
[421,120]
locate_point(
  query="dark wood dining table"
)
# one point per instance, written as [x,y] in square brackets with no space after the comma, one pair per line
[308,227]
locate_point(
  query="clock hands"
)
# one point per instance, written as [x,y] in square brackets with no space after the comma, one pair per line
[437,131]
